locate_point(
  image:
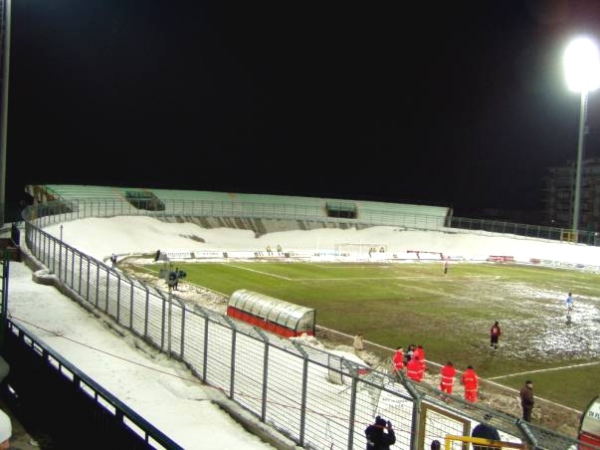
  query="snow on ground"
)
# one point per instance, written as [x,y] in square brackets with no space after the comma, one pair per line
[134,235]
[139,234]
[161,390]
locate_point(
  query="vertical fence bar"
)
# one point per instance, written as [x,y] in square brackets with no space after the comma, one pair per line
[146,314]
[353,393]
[232,362]
[182,327]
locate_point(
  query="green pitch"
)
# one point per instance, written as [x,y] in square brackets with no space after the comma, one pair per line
[450,315]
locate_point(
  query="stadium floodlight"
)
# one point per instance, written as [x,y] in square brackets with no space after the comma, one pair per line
[6,31]
[582,72]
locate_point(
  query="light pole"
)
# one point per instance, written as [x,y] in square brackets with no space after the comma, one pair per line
[582,72]
[7,12]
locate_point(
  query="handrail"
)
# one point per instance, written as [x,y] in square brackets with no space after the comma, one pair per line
[123,414]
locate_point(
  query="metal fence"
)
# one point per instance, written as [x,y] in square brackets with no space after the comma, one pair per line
[317,399]
[524,230]
[39,379]
[64,210]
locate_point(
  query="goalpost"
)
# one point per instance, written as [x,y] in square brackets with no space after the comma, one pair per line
[360,248]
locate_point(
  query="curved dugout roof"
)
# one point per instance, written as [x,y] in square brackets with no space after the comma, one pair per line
[288,315]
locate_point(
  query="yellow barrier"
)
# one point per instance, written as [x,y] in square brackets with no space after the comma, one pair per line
[480,441]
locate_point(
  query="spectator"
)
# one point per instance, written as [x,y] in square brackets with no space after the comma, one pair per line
[470,380]
[448,373]
[485,431]
[5,430]
[377,439]
[436,445]
[398,361]
[527,400]
[359,345]
[495,333]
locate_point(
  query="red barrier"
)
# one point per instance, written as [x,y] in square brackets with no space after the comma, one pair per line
[501,258]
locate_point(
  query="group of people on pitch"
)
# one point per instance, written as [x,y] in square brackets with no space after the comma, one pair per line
[415,366]
[380,435]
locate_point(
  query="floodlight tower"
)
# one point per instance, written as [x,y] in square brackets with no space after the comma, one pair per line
[5,36]
[582,72]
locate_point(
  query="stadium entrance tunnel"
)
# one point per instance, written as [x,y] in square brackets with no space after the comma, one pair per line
[144,200]
[339,209]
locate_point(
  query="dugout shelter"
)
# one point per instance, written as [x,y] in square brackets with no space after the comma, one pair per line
[271,314]
[589,427]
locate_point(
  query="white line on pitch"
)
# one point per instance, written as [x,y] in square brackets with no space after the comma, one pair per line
[261,272]
[554,369]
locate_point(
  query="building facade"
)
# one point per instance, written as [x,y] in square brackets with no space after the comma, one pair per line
[559,195]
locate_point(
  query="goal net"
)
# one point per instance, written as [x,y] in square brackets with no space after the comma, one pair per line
[353,248]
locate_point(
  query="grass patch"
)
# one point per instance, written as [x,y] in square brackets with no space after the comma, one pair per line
[450,315]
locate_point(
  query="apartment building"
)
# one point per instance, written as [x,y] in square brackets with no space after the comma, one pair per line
[559,195]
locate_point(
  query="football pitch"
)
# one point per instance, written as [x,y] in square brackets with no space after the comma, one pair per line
[449,314]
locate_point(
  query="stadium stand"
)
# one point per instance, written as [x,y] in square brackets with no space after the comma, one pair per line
[195,204]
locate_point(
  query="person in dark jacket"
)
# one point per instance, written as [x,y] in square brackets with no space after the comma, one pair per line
[495,334]
[485,431]
[377,438]
[409,352]
[527,400]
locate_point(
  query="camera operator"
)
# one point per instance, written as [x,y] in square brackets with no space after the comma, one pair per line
[380,435]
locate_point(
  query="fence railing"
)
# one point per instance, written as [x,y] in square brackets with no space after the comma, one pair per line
[317,399]
[66,210]
[62,211]
[40,379]
[531,231]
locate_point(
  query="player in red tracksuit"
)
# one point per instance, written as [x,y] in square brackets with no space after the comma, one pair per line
[398,361]
[420,353]
[413,369]
[447,382]
[471,382]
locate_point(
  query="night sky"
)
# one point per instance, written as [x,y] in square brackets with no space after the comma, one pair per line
[459,104]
